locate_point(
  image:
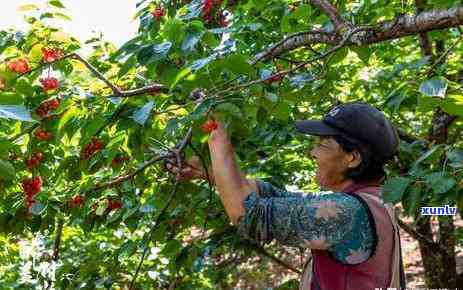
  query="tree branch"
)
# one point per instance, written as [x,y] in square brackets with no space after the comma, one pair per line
[58,235]
[131,175]
[179,164]
[116,91]
[425,44]
[401,26]
[294,41]
[331,12]
[416,235]
[341,44]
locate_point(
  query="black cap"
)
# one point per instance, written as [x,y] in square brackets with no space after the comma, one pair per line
[357,122]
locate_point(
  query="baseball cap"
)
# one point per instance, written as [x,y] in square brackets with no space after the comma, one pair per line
[359,123]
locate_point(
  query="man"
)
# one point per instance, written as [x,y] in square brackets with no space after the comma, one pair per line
[353,235]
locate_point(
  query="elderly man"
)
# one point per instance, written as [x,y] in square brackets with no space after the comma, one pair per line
[353,235]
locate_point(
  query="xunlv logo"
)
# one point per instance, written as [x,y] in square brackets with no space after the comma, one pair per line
[439,210]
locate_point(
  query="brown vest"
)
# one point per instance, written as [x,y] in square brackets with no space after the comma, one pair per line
[382,269]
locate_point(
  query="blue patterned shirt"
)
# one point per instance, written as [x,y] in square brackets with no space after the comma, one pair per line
[336,222]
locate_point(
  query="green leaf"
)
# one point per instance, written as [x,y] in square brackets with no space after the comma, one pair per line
[414,200]
[453,107]
[5,146]
[37,208]
[199,63]
[127,250]
[180,75]
[194,9]
[426,104]
[7,171]
[141,115]
[363,52]
[61,16]
[302,12]
[455,157]
[191,40]
[430,155]
[102,206]
[282,111]
[28,7]
[67,116]
[174,30]
[435,87]
[129,64]
[237,63]
[153,53]
[89,130]
[10,98]
[231,109]
[56,3]
[394,189]
[441,182]
[24,86]
[338,56]
[15,112]
[35,54]
[272,97]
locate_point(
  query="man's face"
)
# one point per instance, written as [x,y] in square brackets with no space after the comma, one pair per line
[332,162]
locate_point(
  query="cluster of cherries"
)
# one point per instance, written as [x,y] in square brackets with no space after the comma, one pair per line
[49,84]
[209,16]
[31,187]
[51,54]
[91,148]
[42,135]
[46,107]
[34,160]
[19,66]
[158,13]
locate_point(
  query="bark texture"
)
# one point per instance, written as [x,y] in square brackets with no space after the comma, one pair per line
[403,25]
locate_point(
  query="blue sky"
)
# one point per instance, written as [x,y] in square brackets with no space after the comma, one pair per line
[111,17]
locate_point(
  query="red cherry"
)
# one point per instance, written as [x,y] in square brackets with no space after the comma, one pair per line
[274,78]
[51,54]
[42,135]
[76,201]
[46,107]
[118,160]
[207,7]
[209,126]
[49,84]
[158,13]
[19,66]
[32,186]
[92,147]
[34,160]
[114,204]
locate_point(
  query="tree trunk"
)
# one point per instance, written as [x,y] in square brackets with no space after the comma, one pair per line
[439,263]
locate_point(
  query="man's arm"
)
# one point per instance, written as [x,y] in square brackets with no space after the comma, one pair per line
[336,222]
[231,183]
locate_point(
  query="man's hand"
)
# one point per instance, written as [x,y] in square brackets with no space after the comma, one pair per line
[192,169]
